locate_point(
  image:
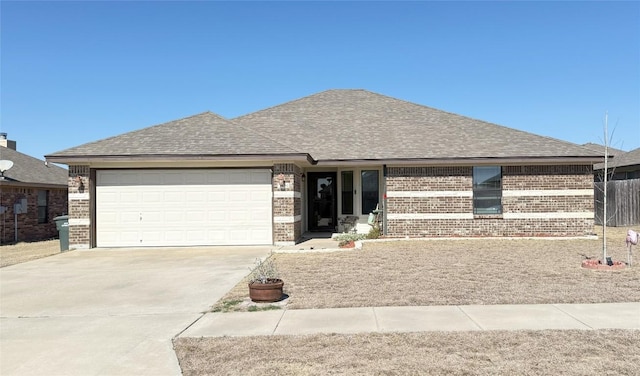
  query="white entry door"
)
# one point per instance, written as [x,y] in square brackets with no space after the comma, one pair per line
[183,207]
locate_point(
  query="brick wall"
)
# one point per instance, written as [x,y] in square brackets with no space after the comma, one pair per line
[79,207]
[537,201]
[287,204]
[28,227]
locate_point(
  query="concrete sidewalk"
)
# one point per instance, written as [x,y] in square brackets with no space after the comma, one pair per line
[418,319]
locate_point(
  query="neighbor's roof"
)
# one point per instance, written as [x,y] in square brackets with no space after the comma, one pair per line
[600,149]
[334,125]
[631,158]
[359,124]
[205,134]
[27,169]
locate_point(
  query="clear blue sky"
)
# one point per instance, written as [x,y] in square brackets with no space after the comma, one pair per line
[75,72]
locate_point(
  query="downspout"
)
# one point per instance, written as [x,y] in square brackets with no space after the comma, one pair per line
[384,199]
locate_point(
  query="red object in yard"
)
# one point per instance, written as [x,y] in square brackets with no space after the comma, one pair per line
[598,265]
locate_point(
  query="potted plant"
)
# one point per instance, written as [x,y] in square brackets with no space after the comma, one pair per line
[265,284]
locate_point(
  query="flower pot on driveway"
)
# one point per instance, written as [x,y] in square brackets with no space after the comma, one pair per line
[268,292]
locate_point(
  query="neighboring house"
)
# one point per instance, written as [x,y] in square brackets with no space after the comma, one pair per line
[309,164]
[624,165]
[31,192]
[600,149]
[623,189]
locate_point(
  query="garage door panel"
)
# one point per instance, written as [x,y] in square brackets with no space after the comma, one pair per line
[259,197]
[128,218]
[264,233]
[174,236]
[183,207]
[197,236]
[217,197]
[172,214]
[173,197]
[153,197]
[258,215]
[129,197]
[239,216]
[153,218]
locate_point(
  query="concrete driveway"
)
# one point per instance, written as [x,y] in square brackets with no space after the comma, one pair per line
[110,312]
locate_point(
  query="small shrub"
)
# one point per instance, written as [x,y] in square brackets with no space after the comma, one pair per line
[344,239]
[265,271]
[374,233]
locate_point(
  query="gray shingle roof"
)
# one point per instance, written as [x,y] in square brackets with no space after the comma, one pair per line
[27,169]
[599,149]
[202,134]
[631,158]
[334,125]
[358,124]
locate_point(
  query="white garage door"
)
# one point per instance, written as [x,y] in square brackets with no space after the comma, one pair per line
[183,207]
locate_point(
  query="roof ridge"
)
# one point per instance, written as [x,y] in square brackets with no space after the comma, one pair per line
[296,100]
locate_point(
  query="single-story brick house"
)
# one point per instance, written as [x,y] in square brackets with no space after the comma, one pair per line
[31,195]
[624,166]
[307,165]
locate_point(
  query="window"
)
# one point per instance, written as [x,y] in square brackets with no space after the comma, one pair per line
[347,192]
[487,190]
[43,206]
[370,191]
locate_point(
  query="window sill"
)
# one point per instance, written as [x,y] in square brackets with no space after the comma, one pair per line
[488,216]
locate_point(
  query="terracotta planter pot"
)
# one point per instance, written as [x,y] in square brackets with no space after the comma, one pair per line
[266,292]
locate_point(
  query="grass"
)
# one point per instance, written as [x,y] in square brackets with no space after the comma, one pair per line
[269,307]
[455,272]
[571,352]
[26,251]
[437,272]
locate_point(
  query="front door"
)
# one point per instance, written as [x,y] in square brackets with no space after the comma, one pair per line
[322,201]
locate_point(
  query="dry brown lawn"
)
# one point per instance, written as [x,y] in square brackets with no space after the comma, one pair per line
[437,272]
[571,352]
[456,272]
[23,252]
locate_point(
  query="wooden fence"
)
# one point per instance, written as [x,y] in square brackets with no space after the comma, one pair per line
[623,202]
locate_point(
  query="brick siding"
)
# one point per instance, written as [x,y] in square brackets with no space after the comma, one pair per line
[288,206]
[79,207]
[570,187]
[28,227]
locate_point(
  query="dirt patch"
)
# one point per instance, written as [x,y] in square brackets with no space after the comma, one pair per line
[22,252]
[571,352]
[599,265]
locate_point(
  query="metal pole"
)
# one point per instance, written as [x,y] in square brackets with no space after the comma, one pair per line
[15,223]
[606,173]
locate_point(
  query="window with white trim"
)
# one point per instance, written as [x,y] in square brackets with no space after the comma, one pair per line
[347,192]
[43,206]
[370,190]
[487,190]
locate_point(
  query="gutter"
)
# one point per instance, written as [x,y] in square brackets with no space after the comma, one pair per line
[503,161]
[88,159]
